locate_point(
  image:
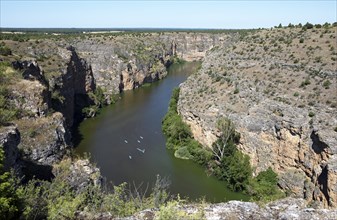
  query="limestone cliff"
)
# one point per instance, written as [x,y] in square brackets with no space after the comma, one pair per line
[126,62]
[281,94]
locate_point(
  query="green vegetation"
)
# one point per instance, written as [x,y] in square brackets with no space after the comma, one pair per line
[311,114]
[4,50]
[225,161]
[7,111]
[230,164]
[326,84]
[305,82]
[179,135]
[171,211]
[8,196]
[98,101]
[296,94]
[307,26]
[264,186]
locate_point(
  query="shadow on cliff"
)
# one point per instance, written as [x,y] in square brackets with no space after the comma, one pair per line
[77,137]
[33,170]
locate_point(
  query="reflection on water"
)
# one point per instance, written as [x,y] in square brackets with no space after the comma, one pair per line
[127,144]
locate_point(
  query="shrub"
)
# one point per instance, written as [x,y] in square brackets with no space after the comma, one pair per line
[311,114]
[5,51]
[307,26]
[326,84]
[301,40]
[305,82]
[264,186]
[8,195]
[183,153]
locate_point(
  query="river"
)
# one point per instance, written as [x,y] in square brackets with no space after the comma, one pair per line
[112,139]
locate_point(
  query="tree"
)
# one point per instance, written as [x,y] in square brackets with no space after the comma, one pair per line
[307,26]
[239,171]
[227,136]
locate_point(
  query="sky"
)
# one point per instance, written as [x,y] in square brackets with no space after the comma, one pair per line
[164,14]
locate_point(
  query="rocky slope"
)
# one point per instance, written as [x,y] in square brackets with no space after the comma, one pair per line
[279,88]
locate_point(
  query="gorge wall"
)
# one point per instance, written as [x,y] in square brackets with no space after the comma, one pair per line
[281,95]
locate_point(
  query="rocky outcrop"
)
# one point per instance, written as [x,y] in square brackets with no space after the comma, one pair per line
[282,122]
[79,174]
[30,94]
[284,209]
[9,141]
[44,140]
[30,71]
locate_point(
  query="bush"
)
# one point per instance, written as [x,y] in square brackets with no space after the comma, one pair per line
[183,153]
[326,84]
[8,196]
[172,210]
[5,51]
[264,186]
[307,26]
[311,114]
[305,82]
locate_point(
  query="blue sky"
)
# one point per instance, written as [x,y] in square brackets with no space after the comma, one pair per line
[163,14]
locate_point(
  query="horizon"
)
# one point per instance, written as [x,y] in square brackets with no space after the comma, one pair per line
[216,15]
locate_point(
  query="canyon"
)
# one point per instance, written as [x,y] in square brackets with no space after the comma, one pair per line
[280,94]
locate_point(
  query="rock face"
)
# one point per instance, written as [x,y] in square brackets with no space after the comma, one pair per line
[282,99]
[71,88]
[30,94]
[80,173]
[9,141]
[52,137]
